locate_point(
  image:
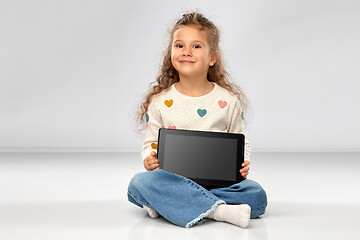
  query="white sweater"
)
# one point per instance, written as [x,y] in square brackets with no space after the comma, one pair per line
[217,111]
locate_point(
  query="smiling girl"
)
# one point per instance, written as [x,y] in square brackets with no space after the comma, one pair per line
[193,92]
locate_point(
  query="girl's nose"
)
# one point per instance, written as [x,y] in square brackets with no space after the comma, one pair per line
[186,52]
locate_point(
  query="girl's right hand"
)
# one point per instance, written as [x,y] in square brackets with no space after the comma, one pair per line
[151,162]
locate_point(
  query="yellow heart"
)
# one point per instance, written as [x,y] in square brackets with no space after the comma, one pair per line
[154,145]
[169,103]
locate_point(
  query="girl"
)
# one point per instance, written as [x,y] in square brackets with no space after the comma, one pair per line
[192,92]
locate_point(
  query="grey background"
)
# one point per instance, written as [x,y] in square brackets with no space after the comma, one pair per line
[73,72]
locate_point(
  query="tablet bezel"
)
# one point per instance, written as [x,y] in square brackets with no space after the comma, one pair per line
[207,183]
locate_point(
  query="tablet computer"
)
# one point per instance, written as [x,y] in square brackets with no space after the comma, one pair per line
[211,159]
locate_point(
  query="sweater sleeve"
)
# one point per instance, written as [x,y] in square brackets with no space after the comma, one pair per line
[237,125]
[153,124]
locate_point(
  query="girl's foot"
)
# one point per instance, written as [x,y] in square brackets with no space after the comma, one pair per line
[235,214]
[152,213]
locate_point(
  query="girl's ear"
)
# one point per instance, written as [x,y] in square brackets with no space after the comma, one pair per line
[214,57]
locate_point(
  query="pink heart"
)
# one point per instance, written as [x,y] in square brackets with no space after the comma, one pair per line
[172,127]
[222,104]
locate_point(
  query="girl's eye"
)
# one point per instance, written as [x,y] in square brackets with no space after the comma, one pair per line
[181,46]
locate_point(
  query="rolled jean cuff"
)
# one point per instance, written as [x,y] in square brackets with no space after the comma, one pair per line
[204,215]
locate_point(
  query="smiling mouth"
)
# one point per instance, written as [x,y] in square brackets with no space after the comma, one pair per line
[186,62]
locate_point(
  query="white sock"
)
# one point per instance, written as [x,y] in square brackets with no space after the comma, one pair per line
[152,213]
[235,214]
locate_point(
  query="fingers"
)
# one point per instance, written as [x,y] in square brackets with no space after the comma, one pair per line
[151,163]
[245,163]
[244,172]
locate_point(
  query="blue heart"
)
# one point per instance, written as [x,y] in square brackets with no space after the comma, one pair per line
[201,112]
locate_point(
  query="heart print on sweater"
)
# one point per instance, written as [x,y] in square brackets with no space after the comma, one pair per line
[201,112]
[169,102]
[222,104]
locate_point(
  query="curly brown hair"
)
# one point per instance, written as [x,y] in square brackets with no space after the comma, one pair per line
[169,75]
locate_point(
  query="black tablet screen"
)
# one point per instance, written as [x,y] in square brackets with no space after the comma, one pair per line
[201,157]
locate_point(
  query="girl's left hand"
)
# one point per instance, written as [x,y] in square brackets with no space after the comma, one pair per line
[245,170]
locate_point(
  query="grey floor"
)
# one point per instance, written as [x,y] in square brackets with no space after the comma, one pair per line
[83,196]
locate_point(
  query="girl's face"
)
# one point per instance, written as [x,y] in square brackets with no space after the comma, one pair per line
[190,54]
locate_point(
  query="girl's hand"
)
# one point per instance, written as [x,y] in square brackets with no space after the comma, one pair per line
[151,162]
[245,170]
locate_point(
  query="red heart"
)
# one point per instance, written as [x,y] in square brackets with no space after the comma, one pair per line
[172,127]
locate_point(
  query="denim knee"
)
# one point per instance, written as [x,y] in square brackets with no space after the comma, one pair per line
[141,180]
[134,188]
[137,179]
[258,192]
[259,198]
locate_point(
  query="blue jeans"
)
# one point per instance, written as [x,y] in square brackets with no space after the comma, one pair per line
[184,202]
